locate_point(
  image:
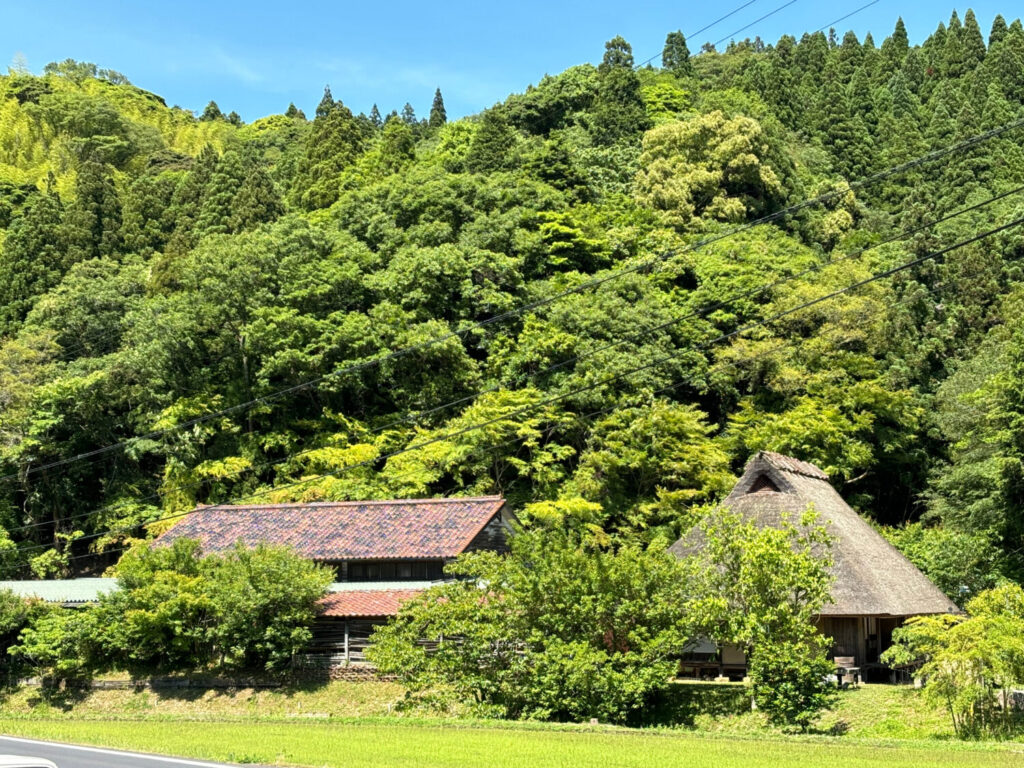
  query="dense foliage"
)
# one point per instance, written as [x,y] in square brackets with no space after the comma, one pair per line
[174,610]
[569,627]
[158,268]
[972,664]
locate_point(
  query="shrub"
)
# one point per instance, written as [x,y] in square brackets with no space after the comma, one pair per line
[790,680]
[970,663]
[176,611]
[564,628]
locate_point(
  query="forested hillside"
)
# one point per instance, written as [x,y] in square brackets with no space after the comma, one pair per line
[562,298]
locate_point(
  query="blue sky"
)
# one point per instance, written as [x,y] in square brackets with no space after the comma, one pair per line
[257,56]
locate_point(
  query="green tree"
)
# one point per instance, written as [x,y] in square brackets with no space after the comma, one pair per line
[32,261]
[998,31]
[334,142]
[791,680]
[894,48]
[763,587]
[708,167]
[211,112]
[675,56]
[971,662]
[256,202]
[216,211]
[175,610]
[644,464]
[438,116]
[493,144]
[262,602]
[147,224]
[187,200]
[972,41]
[397,146]
[619,109]
[93,221]
[566,629]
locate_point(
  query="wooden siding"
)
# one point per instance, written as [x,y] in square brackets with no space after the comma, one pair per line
[493,536]
[340,641]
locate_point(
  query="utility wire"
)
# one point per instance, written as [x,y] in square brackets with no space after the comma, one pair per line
[579,419]
[586,285]
[703,29]
[579,390]
[756,21]
[844,18]
[702,312]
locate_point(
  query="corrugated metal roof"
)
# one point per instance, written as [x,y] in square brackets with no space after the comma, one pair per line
[62,590]
[344,598]
[351,530]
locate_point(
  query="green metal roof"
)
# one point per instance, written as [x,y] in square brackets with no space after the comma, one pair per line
[72,591]
[62,590]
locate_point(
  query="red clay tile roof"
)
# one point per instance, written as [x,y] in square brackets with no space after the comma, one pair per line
[350,530]
[366,603]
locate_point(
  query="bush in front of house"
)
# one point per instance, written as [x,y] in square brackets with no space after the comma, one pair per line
[791,680]
[575,624]
[564,628]
[971,664]
[247,609]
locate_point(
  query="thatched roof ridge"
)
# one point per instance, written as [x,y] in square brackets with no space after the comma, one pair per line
[872,578]
[788,464]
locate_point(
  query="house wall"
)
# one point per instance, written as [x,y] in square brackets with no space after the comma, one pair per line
[493,536]
[863,637]
[338,641]
[847,633]
[387,570]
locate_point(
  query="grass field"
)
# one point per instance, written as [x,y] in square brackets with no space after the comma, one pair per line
[447,745]
[353,724]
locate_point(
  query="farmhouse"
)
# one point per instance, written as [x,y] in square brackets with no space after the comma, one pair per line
[383,552]
[876,588]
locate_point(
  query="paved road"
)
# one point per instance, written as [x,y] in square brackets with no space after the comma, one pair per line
[70,756]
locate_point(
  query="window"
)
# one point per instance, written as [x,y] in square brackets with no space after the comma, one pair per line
[396,570]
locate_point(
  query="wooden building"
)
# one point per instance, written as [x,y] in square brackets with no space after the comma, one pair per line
[383,553]
[875,589]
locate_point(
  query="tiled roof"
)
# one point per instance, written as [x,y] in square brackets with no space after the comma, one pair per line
[62,590]
[351,530]
[366,603]
[377,586]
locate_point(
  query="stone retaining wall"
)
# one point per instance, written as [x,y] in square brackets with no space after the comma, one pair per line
[351,673]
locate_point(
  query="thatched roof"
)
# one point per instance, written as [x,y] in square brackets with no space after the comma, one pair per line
[872,578]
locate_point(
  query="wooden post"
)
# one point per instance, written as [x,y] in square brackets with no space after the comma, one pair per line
[346,641]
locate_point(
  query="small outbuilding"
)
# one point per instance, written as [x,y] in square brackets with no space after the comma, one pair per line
[383,553]
[876,587]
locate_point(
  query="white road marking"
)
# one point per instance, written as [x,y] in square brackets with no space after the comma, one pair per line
[122,753]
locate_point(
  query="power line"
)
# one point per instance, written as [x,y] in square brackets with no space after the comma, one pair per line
[586,388]
[703,312]
[756,21]
[479,449]
[704,29]
[844,18]
[592,283]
